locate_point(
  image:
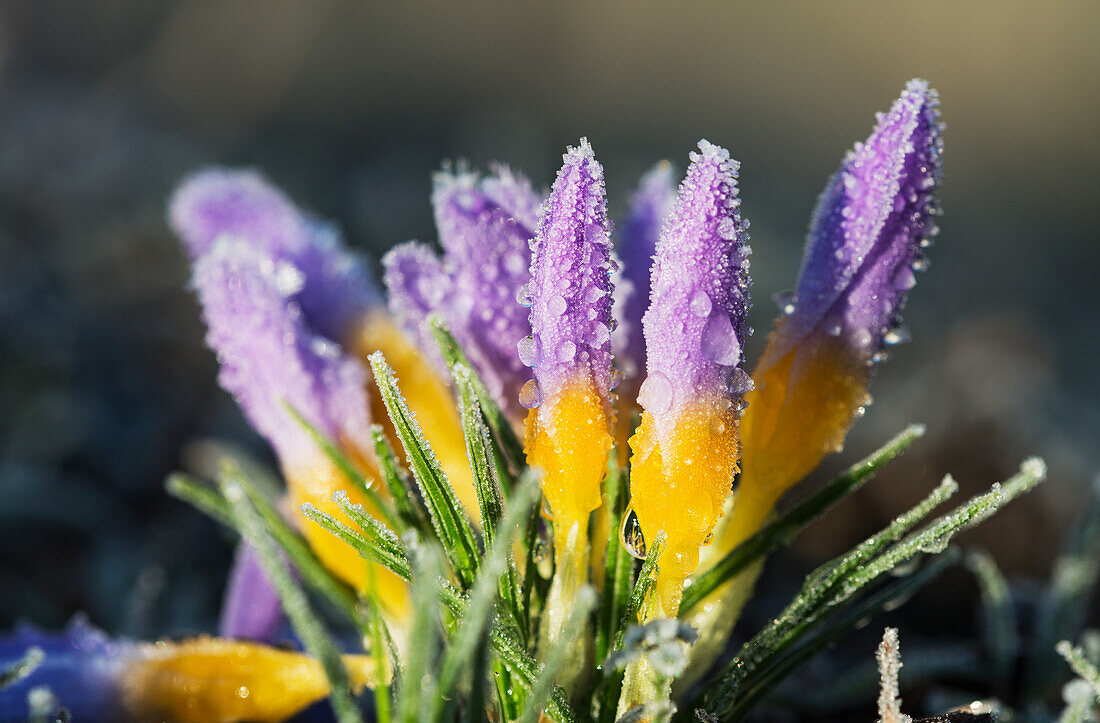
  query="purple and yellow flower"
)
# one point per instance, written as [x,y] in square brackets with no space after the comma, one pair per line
[485,226]
[330,288]
[292,315]
[685,451]
[569,350]
[865,243]
[200,680]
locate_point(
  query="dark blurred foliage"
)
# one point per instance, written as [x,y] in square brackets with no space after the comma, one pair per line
[105,384]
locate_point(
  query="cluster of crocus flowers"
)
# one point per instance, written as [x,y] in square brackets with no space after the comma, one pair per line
[526,286]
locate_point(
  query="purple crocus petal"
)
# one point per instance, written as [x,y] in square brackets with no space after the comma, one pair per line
[571,312]
[271,356]
[81,668]
[335,288]
[487,255]
[866,235]
[695,325]
[638,232]
[251,609]
[417,285]
[513,193]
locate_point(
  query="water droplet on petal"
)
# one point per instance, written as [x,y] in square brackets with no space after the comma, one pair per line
[656,393]
[529,351]
[556,305]
[786,301]
[289,279]
[630,533]
[897,335]
[720,342]
[566,351]
[530,396]
[616,377]
[600,334]
[709,538]
[700,304]
[524,295]
[739,382]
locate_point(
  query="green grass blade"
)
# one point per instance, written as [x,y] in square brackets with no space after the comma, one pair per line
[23,667]
[646,577]
[201,496]
[1065,600]
[818,589]
[509,445]
[544,685]
[783,529]
[350,471]
[313,573]
[451,524]
[419,693]
[1002,637]
[1080,665]
[489,496]
[618,564]
[305,622]
[889,597]
[410,509]
[481,603]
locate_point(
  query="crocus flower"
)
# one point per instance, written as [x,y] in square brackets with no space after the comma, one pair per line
[201,680]
[272,360]
[569,423]
[864,245]
[685,451]
[484,226]
[332,289]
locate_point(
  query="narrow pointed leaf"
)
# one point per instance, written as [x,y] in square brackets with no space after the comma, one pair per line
[483,595]
[783,529]
[410,509]
[305,622]
[556,658]
[450,521]
[509,445]
[345,465]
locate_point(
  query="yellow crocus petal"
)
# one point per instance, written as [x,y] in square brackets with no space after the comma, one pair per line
[679,481]
[213,680]
[801,409]
[315,483]
[569,438]
[428,396]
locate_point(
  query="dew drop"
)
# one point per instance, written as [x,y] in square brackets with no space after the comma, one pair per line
[289,279]
[739,382]
[529,352]
[524,295]
[897,335]
[720,343]
[921,263]
[616,377]
[786,301]
[630,534]
[243,692]
[567,350]
[530,396]
[861,338]
[556,305]
[600,334]
[656,393]
[700,304]
[709,538]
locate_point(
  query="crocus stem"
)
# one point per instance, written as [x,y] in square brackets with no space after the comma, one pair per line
[570,566]
[641,683]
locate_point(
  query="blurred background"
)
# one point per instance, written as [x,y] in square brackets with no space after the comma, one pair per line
[105,383]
